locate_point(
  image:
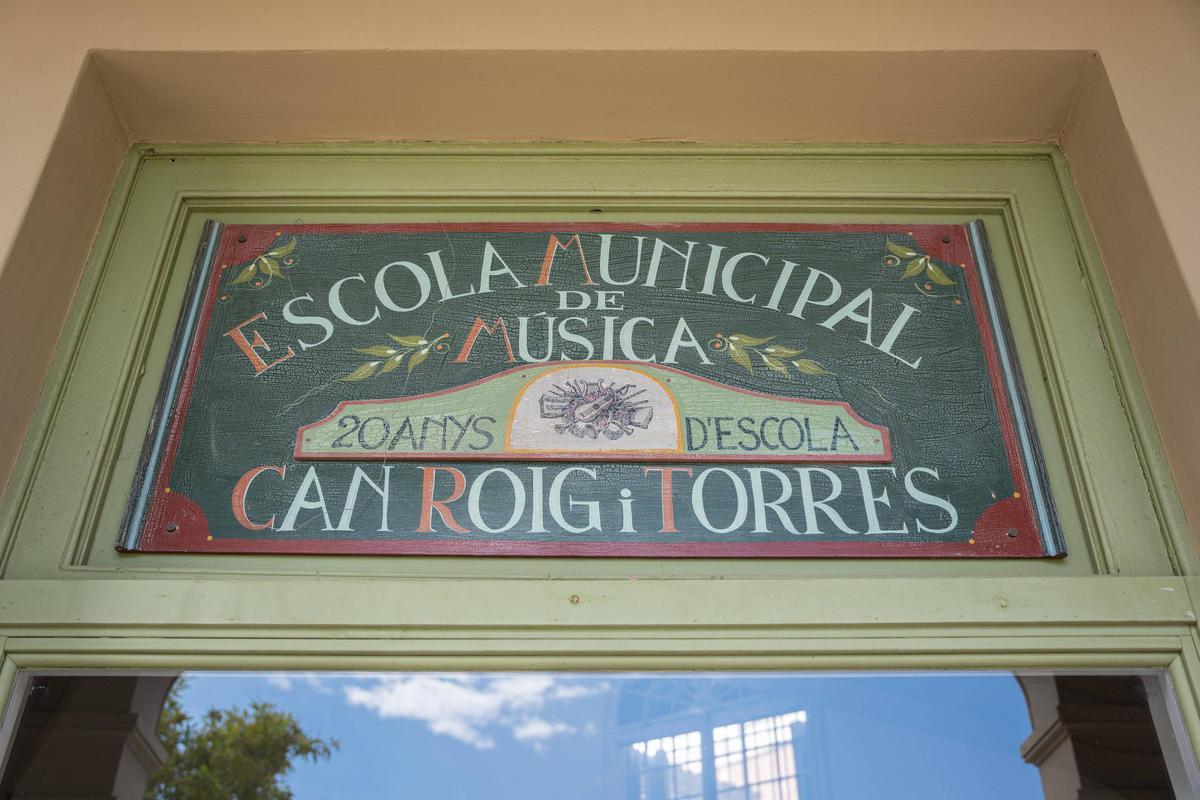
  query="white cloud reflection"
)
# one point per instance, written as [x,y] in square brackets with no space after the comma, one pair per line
[464,706]
[291,680]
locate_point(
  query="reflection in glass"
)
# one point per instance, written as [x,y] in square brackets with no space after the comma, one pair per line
[666,767]
[759,758]
[320,736]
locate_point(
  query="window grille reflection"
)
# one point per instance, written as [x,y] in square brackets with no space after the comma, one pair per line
[758,759]
[668,768]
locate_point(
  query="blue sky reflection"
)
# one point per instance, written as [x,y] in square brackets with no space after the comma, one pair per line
[648,736]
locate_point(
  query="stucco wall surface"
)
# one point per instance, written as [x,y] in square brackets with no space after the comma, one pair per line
[1115,82]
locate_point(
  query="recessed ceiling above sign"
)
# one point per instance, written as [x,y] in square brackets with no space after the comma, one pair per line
[594,390]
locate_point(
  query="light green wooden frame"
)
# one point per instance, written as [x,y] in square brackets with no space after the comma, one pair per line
[1123,599]
[1121,624]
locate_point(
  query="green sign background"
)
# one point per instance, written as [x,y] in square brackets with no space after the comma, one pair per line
[901,324]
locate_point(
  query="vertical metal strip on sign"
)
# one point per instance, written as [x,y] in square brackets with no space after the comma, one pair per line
[147,465]
[1034,464]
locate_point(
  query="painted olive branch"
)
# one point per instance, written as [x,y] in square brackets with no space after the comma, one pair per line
[916,265]
[746,351]
[271,264]
[388,357]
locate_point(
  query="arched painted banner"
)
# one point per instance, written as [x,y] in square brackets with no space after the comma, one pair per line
[734,390]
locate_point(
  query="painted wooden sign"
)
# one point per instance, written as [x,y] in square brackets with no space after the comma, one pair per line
[593,390]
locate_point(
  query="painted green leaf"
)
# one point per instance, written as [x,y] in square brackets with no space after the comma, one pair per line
[743,339]
[407,341]
[417,358]
[775,364]
[282,250]
[363,372]
[246,274]
[270,267]
[914,267]
[900,251]
[810,367]
[937,276]
[390,364]
[781,351]
[740,356]
[376,350]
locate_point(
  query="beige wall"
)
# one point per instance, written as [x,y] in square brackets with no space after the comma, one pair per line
[1116,82]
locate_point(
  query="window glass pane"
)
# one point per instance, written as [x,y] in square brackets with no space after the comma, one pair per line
[619,736]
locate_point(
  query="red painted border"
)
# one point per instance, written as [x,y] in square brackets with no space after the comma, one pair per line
[946,243]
